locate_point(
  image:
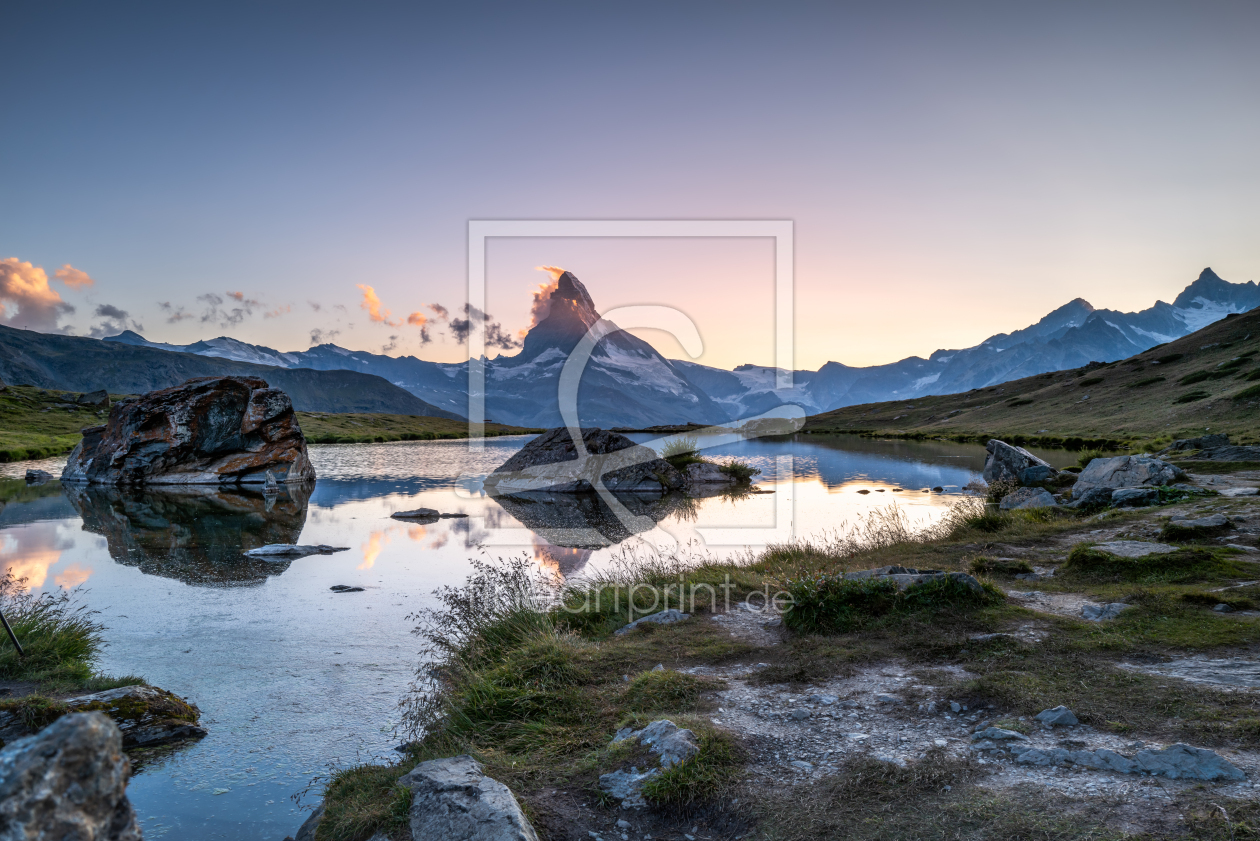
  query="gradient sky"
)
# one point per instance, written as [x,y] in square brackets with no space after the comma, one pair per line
[953,170]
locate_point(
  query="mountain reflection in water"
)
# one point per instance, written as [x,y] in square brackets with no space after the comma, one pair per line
[193,534]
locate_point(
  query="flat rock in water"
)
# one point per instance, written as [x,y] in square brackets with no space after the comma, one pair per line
[426,515]
[293,550]
[146,715]
[68,782]
[1134,548]
[453,798]
[37,477]
[664,617]
[208,431]
[345,588]
[550,462]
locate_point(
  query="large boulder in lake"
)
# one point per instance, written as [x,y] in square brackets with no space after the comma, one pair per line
[550,463]
[1126,472]
[1005,462]
[208,431]
[68,782]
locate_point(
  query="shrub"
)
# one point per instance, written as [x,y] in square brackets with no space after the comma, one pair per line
[1196,377]
[1177,533]
[666,690]
[1170,358]
[1000,566]
[1191,396]
[827,603]
[1148,381]
[999,489]
[741,471]
[1019,401]
[1212,599]
[1090,381]
[61,638]
[1087,456]
[364,800]
[1248,393]
[1252,377]
[682,451]
[1184,566]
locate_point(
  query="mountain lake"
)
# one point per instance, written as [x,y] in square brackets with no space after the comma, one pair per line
[293,679]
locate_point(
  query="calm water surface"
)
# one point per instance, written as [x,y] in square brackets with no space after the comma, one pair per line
[293,679]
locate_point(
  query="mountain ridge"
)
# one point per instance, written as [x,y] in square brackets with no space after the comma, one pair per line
[629,384]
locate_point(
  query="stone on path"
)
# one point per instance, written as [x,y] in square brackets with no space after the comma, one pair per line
[1235,492]
[1059,716]
[664,617]
[1134,548]
[1134,497]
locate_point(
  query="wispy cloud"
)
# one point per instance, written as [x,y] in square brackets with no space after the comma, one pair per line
[372,303]
[319,336]
[174,314]
[114,321]
[25,286]
[496,336]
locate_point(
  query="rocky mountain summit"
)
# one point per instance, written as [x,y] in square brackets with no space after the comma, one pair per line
[208,431]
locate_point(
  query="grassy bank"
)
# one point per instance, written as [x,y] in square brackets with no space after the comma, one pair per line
[535,690]
[40,423]
[352,428]
[1208,379]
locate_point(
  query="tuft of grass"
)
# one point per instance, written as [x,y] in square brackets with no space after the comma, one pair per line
[362,801]
[741,471]
[1185,566]
[1145,382]
[1213,598]
[61,638]
[682,451]
[827,603]
[714,769]
[666,690]
[1251,392]
[1088,381]
[1192,396]
[1087,456]
[1003,566]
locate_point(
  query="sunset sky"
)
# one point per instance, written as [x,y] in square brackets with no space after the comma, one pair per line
[952,170]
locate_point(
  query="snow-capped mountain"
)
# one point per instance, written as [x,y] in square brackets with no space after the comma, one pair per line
[627,383]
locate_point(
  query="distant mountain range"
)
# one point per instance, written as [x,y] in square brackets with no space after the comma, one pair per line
[73,363]
[628,383]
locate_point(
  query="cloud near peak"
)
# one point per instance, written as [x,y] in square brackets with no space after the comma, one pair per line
[25,286]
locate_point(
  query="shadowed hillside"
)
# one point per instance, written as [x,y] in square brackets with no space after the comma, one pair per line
[1209,379]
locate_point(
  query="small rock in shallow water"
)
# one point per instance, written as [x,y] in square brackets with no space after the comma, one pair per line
[423,515]
[345,588]
[287,551]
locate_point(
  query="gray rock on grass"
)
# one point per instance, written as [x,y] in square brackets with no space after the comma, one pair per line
[1211,521]
[67,782]
[673,745]
[1059,716]
[664,617]
[1126,472]
[1176,762]
[998,734]
[1134,497]
[1239,492]
[1026,498]
[453,798]
[1134,548]
[1101,612]
[1091,499]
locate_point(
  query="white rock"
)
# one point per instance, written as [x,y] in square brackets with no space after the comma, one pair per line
[452,798]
